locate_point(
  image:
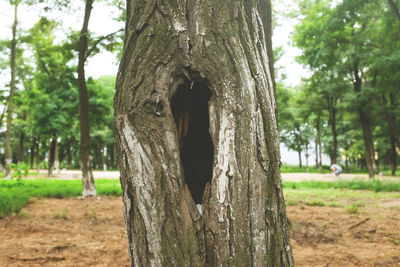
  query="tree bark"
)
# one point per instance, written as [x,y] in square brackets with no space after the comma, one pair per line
[391,118]
[69,155]
[366,127]
[395,8]
[332,121]
[38,154]
[32,152]
[88,186]
[52,151]
[393,157]
[10,109]
[218,46]
[300,163]
[57,157]
[21,148]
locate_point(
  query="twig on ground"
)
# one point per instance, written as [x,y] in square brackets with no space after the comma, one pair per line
[357,224]
[44,259]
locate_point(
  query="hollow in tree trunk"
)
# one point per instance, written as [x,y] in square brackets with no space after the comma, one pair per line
[195,124]
[88,187]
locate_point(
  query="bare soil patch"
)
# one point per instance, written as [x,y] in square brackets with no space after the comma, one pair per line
[91,232]
[329,236]
[66,232]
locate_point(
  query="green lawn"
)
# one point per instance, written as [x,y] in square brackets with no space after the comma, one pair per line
[16,193]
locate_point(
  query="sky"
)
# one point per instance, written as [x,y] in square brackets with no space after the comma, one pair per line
[105,63]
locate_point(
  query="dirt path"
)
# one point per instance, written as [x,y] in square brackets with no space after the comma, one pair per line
[295,177]
[91,232]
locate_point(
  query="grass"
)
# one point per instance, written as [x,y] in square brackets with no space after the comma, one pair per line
[16,193]
[325,169]
[355,184]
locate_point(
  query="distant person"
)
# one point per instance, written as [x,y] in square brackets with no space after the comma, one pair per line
[336,169]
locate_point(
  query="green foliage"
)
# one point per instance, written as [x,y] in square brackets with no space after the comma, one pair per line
[16,193]
[19,170]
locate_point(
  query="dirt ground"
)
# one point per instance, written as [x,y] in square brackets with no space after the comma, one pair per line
[91,232]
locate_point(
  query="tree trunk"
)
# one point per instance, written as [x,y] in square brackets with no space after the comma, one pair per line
[195,115]
[366,127]
[37,154]
[8,151]
[300,163]
[32,152]
[69,155]
[307,155]
[332,121]
[393,157]
[21,148]
[88,187]
[57,157]
[316,153]
[391,118]
[51,156]
[395,8]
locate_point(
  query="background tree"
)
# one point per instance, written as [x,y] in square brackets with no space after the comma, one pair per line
[13,48]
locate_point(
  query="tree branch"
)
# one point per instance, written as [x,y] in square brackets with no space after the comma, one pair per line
[101,38]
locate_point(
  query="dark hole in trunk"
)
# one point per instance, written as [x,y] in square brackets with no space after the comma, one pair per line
[190,109]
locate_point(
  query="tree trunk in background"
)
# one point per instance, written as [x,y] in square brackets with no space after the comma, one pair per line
[32,152]
[395,8]
[51,157]
[102,157]
[216,49]
[21,148]
[69,155]
[316,153]
[332,121]
[57,157]
[88,187]
[112,156]
[318,144]
[393,157]
[37,154]
[8,151]
[388,111]
[366,127]
[300,163]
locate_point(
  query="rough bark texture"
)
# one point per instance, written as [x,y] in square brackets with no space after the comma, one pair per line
[221,45]
[366,127]
[8,151]
[88,187]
